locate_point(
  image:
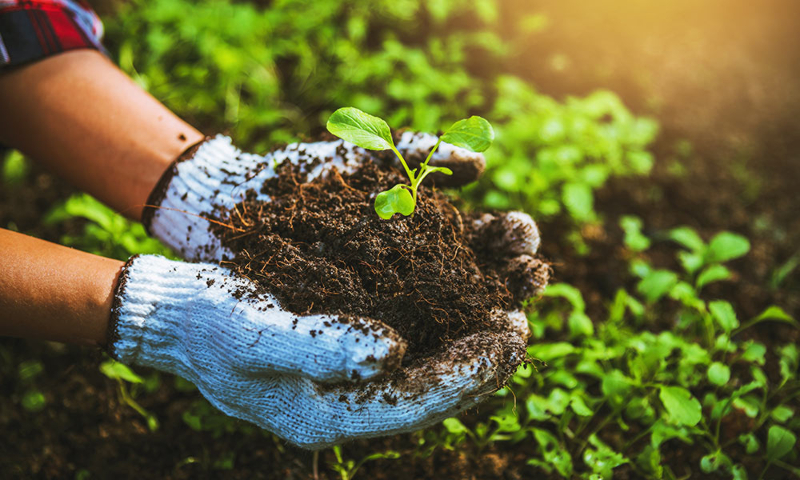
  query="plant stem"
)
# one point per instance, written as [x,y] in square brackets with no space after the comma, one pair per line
[405,165]
[425,163]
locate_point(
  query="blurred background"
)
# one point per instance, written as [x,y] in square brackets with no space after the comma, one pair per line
[656,143]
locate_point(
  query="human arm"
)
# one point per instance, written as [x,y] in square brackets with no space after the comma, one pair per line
[84,119]
[51,292]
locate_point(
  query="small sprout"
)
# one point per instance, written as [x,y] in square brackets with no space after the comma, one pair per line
[373,133]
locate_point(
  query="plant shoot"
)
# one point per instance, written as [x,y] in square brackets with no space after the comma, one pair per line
[352,125]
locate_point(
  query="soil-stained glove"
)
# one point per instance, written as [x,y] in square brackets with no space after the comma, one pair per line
[200,322]
[256,362]
[216,175]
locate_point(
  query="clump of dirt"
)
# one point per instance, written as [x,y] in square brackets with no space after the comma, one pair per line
[319,247]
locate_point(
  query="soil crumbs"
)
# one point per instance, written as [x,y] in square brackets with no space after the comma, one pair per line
[319,247]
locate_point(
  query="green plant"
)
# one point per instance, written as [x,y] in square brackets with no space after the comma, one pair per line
[373,133]
[347,468]
[617,393]
[105,233]
[123,376]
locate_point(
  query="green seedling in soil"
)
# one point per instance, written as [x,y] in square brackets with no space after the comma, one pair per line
[123,375]
[352,125]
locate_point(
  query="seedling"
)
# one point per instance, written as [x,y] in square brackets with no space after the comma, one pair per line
[352,125]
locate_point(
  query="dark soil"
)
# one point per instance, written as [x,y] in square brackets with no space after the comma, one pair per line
[319,247]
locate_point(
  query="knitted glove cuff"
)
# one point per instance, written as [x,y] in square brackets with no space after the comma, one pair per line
[201,180]
[149,307]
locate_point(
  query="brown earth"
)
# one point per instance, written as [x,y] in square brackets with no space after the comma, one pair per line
[319,247]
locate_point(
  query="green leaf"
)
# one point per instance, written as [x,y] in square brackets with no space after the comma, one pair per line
[616,386]
[738,472]
[395,200]
[656,284]
[690,261]
[782,414]
[719,373]
[634,239]
[749,404]
[775,313]
[709,463]
[119,371]
[474,134]
[687,237]
[663,431]
[30,369]
[780,441]
[682,407]
[750,443]
[726,246]
[714,273]
[552,452]
[755,353]
[443,170]
[550,351]
[578,199]
[602,460]
[724,314]
[362,129]
[568,292]
[580,324]
[33,401]
[454,425]
[578,405]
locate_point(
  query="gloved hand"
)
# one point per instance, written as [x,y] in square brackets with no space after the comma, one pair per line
[290,398]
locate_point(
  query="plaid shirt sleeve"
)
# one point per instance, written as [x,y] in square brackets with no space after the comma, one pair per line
[32,30]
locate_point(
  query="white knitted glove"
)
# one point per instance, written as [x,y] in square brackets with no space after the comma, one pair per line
[296,406]
[258,363]
[199,321]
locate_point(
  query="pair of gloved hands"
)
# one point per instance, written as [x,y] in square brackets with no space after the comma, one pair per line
[255,361]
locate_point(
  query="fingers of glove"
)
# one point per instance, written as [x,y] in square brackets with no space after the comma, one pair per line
[466,166]
[509,234]
[263,338]
[461,376]
[513,237]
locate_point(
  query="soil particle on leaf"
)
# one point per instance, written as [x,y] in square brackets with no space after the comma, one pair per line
[319,247]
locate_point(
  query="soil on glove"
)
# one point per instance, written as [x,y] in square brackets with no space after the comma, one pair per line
[319,247]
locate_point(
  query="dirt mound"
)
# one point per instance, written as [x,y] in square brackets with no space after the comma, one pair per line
[319,247]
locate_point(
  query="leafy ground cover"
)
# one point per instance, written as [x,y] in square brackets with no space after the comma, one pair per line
[667,346]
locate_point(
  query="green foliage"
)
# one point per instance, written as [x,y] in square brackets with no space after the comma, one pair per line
[105,233]
[551,156]
[123,375]
[676,386]
[347,468]
[15,168]
[373,133]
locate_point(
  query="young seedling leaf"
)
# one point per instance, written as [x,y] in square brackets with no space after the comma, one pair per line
[362,129]
[474,134]
[682,407]
[395,200]
[719,373]
[443,170]
[780,441]
[726,246]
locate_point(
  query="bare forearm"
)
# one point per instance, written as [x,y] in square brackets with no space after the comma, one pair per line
[79,115]
[52,292]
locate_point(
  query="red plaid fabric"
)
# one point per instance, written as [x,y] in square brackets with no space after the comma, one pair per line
[31,30]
